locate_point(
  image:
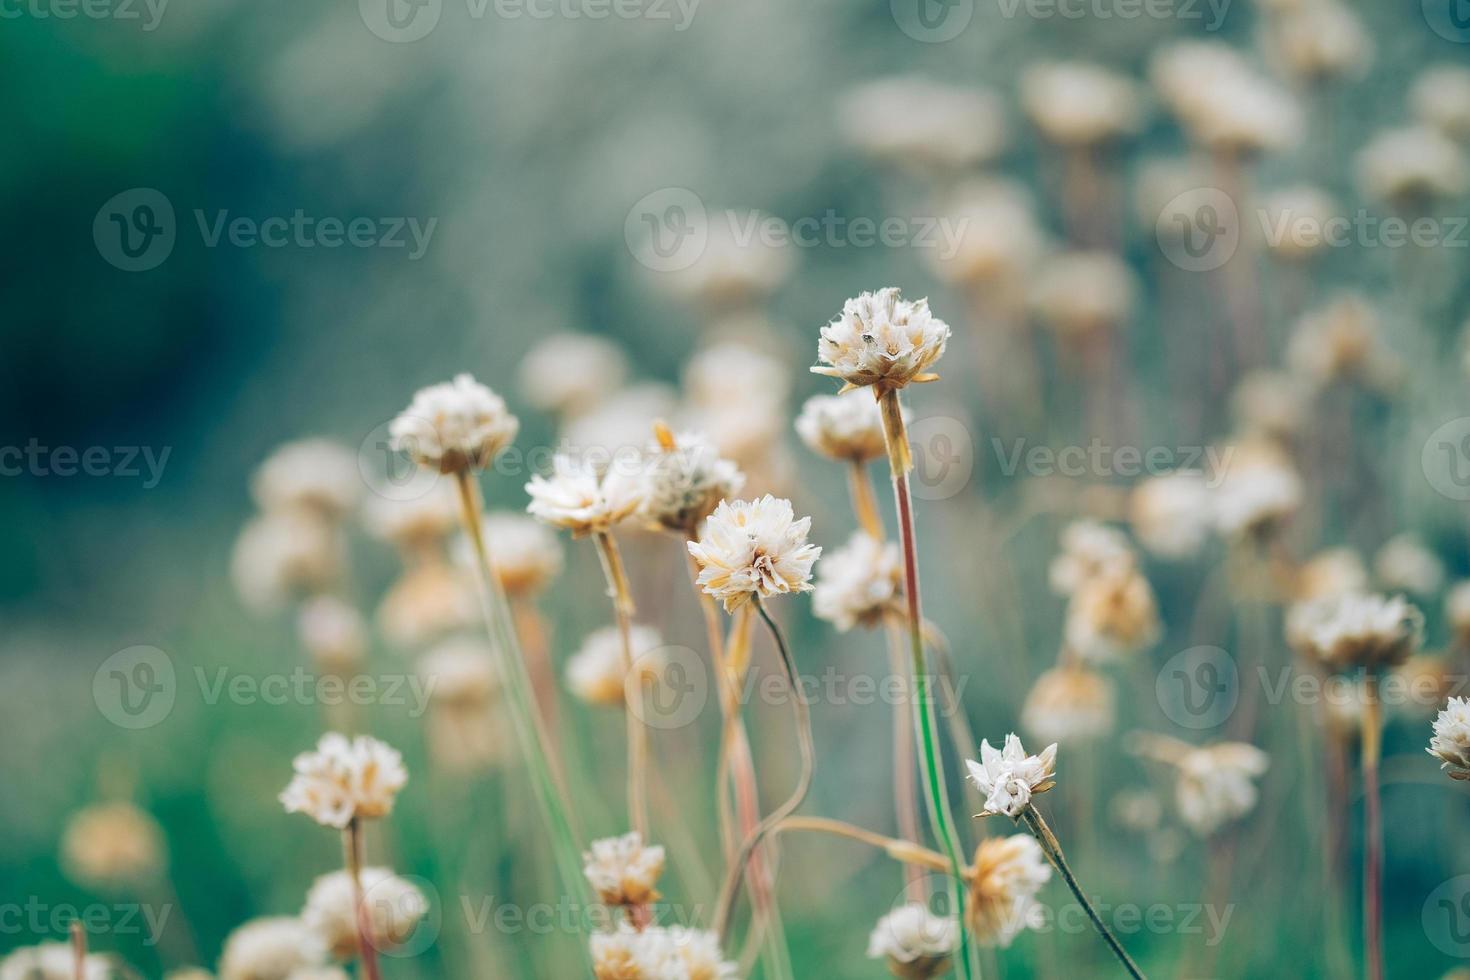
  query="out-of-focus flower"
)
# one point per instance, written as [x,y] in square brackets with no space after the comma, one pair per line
[657,953]
[1216,784]
[52,961]
[1171,514]
[859,583]
[455,426]
[525,555]
[466,731]
[1078,104]
[345,780]
[845,427]
[1069,703]
[1269,404]
[394,907]
[415,525]
[1457,611]
[1295,221]
[615,434]
[460,672]
[1405,564]
[684,480]
[1009,777]
[882,339]
[1451,741]
[1004,880]
[1412,167]
[1258,491]
[1341,341]
[571,373]
[315,475]
[1112,616]
[998,238]
[284,554]
[427,602]
[918,124]
[272,948]
[754,548]
[1336,571]
[734,267]
[1223,102]
[1441,98]
[333,632]
[1426,680]
[1088,549]
[915,943]
[597,674]
[1317,40]
[1082,294]
[1355,631]
[623,870]
[111,845]
[735,372]
[577,498]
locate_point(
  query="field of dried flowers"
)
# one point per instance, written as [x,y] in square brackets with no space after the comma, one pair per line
[600,649]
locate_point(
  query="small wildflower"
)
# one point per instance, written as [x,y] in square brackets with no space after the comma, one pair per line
[1004,880]
[112,844]
[1171,514]
[1451,741]
[456,426]
[1069,703]
[1088,549]
[333,632]
[1216,784]
[1405,564]
[596,673]
[846,427]
[1009,778]
[623,871]
[316,476]
[882,340]
[1368,631]
[1112,616]
[859,583]
[914,942]
[1078,104]
[272,948]
[577,498]
[344,780]
[754,548]
[684,480]
[394,908]
[572,373]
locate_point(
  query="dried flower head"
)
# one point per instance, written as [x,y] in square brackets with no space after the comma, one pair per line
[1004,880]
[1112,616]
[1083,294]
[1216,784]
[1335,571]
[111,845]
[623,871]
[1441,98]
[596,673]
[455,426]
[416,524]
[1069,703]
[333,632]
[572,373]
[754,549]
[1258,491]
[345,780]
[1451,741]
[659,953]
[918,124]
[914,942]
[577,498]
[859,583]
[1359,631]
[845,427]
[525,555]
[684,480]
[1405,564]
[394,907]
[1009,777]
[1341,341]
[1088,550]
[284,554]
[1412,167]
[315,475]
[272,948]
[1171,514]
[1078,104]
[52,961]
[883,340]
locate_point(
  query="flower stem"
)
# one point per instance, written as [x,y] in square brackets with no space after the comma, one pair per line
[730,890]
[1053,850]
[925,721]
[637,731]
[909,853]
[1372,831]
[352,858]
[78,951]
[864,501]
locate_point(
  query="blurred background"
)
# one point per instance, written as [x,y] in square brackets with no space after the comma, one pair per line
[235,226]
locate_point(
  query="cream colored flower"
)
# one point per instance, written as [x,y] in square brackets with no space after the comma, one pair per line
[1451,741]
[623,871]
[1172,514]
[1258,491]
[882,339]
[525,555]
[684,480]
[1318,40]
[1270,404]
[273,948]
[1405,564]
[915,943]
[616,433]
[1341,341]
[572,373]
[859,583]
[1441,98]
[455,426]
[734,371]
[1112,616]
[1004,880]
[467,730]
[1083,294]
[597,674]
[734,268]
[1412,166]
[427,602]
[1368,632]
[1069,703]
[577,498]
[1333,572]
[998,239]
[418,523]
[344,780]
[460,672]
[315,475]
[1457,611]
[1078,104]
[1088,550]
[1223,102]
[52,961]
[1296,221]
[333,632]
[1216,784]
[918,124]
[394,907]
[285,554]
[1009,777]
[754,548]
[847,427]
[659,953]
[112,844]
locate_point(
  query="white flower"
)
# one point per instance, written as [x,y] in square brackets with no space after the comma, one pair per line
[1078,104]
[1335,571]
[52,961]
[454,426]
[1340,341]
[998,240]
[1089,549]
[315,475]
[1451,741]
[417,523]
[1405,564]
[1270,404]
[623,871]
[1111,616]
[571,373]
[1004,880]
[1171,514]
[597,674]
[1301,213]
[618,430]
[733,371]
[859,583]
[394,909]
[918,124]
[1412,165]
[460,672]
[1009,777]
[1082,294]
[1069,703]
[1222,101]
[577,498]
[524,554]
[659,953]
[333,632]
[1317,40]
[1441,97]
[274,948]
[916,943]
[754,548]
[284,554]
[882,339]
[684,480]
[843,427]
[345,780]
[733,268]
[112,844]
[1371,631]
[1216,784]
[1256,494]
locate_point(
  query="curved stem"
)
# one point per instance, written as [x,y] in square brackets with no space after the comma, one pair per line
[909,853]
[1053,850]
[731,888]
[637,731]
[1372,831]
[352,857]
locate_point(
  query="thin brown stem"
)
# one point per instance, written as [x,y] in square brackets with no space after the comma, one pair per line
[352,858]
[864,501]
[1372,831]
[78,951]
[910,854]
[905,782]
[637,731]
